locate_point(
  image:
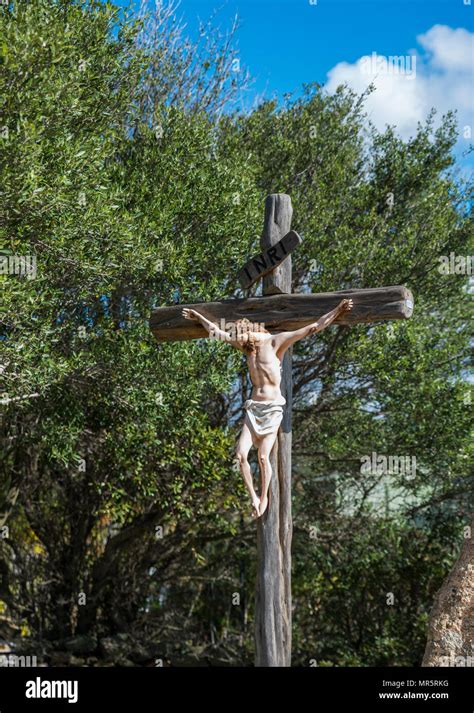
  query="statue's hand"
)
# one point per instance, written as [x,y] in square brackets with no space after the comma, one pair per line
[190,314]
[346,305]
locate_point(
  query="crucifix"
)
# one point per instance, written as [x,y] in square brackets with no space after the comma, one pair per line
[269,325]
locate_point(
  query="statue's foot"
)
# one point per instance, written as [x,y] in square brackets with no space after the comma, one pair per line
[263,505]
[256,508]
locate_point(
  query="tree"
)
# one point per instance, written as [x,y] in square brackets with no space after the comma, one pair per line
[101,442]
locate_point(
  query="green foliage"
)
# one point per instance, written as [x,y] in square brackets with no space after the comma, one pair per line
[131,190]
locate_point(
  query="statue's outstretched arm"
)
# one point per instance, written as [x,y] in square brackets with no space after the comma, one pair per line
[212,329]
[284,340]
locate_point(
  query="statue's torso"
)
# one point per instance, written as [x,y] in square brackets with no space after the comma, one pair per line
[265,371]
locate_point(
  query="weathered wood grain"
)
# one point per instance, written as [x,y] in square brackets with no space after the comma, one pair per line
[281,312]
[451,623]
[274,528]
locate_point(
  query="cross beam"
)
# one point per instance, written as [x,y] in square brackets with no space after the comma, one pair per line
[284,311]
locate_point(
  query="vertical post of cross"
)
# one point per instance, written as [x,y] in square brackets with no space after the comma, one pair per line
[274,528]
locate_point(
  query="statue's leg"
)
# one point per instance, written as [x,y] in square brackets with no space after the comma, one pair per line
[264,449]
[243,447]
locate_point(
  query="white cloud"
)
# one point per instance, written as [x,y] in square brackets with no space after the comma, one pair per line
[450,49]
[440,75]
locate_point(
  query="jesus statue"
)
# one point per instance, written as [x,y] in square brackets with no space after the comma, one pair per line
[264,410]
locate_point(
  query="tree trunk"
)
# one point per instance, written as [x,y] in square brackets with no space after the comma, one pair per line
[451,627]
[274,528]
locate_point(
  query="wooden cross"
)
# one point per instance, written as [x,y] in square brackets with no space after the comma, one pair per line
[279,310]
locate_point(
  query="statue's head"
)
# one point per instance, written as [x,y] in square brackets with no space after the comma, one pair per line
[247,334]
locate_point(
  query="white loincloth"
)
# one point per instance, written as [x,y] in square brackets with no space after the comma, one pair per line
[264,417]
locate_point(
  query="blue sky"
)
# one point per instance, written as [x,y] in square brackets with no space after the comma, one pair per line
[287,42]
